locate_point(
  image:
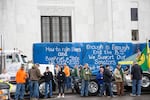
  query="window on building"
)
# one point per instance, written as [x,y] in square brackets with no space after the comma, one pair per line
[134,14]
[135,35]
[56,29]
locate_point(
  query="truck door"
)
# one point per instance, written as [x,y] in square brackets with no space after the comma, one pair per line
[12,65]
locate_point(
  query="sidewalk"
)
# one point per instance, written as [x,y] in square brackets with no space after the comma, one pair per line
[66,92]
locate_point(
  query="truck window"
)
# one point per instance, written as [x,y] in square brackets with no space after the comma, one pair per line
[12,58]
[24,58]
[9,58]
[17,58]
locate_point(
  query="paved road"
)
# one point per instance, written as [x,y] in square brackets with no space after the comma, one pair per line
[77,97]
[69,96]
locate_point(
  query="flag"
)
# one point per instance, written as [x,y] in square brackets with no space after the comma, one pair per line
[143,60]
[148,55]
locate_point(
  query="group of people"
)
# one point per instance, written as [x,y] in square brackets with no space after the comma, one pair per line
[63,73]
[33,76]
[82,72]
[105,78]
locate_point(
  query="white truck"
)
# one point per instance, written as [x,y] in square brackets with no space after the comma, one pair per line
[11,60]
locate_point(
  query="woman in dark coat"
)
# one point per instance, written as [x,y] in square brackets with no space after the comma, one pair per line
[61,83]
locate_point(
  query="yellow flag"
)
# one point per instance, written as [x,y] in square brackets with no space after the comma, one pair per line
[148,54]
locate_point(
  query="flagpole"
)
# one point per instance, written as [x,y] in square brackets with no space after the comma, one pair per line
[1,61]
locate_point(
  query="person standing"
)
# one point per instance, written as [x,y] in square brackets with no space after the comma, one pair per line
[75,72]
[119,79]
[108,80]
[5,76]
[100,78]
[127,70]
[136,76]
[48,76]
[61,82]
[56,70]
[34,76]
[21,76]
[74,75]
[67,73]
[81,72]
[86,74]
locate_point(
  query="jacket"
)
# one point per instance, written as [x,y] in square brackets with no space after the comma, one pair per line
[21,76]
[67,71]
[81,73]
[118,76]
[86,74]
[107,76]
[136,72]
[75,72]
[34,74]
[99,78]
[48,76]
[61,77]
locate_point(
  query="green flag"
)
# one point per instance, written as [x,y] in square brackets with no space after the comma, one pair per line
[143,59]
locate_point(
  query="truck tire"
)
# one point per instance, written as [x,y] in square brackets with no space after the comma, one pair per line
[41,88]
[77,86]
[145,81]
[114,87]
[93,87]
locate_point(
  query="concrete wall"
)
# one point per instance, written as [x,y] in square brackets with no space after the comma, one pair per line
[103,20]
[27,25]
[82,16]
[8,23]
[121,20]
[144,19]
[84,20]
[92,20]
[20,24]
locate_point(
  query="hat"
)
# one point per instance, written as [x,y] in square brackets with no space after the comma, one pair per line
[47,67]
[22,65]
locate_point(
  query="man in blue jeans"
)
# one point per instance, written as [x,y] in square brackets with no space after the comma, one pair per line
[34,76]
[100,78]
[86,74]
[34,89]
[107,75]
[21,76]
[48,76]
[136,76]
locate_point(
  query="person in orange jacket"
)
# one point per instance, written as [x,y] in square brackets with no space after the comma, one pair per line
[20,80]
[67,73]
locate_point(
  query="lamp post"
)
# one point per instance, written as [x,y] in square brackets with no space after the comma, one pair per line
[1,65]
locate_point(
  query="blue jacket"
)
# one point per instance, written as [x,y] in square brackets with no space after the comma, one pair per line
[99,78]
